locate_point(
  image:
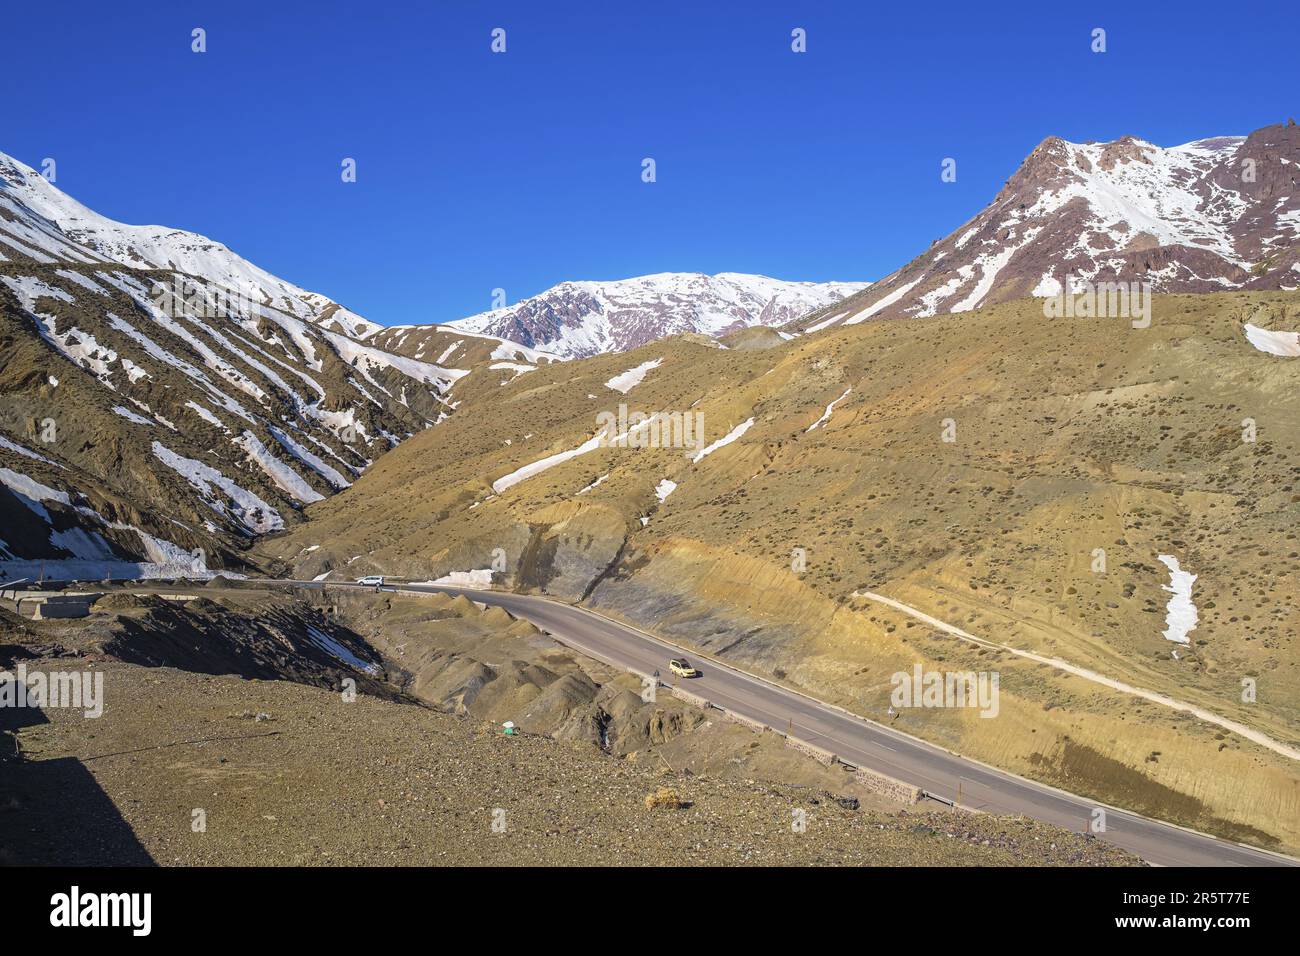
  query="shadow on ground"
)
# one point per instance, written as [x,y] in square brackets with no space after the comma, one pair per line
[54,812]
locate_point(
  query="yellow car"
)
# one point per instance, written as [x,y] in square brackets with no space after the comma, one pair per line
[682,668]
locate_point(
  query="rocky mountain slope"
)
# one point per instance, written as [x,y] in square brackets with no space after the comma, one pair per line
[975,467]
[1216,214]
[47,225]
[580,319]
[162,400]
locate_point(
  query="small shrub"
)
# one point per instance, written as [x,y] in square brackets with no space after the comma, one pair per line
[666,798]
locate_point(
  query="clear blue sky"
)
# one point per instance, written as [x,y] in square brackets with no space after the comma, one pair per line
[520,170]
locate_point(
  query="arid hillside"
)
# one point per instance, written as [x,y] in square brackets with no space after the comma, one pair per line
[1026,480]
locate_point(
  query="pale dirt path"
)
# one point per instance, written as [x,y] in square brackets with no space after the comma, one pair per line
[1209,716]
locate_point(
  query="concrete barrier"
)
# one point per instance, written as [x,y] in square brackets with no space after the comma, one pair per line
[46,605]
[819,754]
[755,725]
[887,786]
[695,700]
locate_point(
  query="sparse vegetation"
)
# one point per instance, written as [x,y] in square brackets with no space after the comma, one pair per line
[1072,435]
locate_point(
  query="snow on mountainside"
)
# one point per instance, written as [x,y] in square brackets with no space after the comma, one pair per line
[1215,214]
[579,319]
[60,221]
[162,398]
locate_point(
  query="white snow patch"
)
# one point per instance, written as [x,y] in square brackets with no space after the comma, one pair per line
[250,510]
[516,367]
[25,452]
[312,461]
[930,300]
[29,289]
[726,439]
[825,322]
[1180,616]
[284,477]
[79,569]
[1274,343]
[206,415]
[510,351]
[599,440]
[134,372]
[82,545]
[593,484]
[883,302]
[965,236]
[478,578]
[31,492]
[84,281]
[826,415]
[991,265]
[130,415]
[365,360]
[337,650]
[1048,286]
[537,467]
[632,377]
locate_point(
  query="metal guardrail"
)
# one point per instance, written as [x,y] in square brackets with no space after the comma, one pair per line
[944,800]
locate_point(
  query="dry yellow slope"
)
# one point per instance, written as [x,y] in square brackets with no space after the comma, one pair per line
[1070,437]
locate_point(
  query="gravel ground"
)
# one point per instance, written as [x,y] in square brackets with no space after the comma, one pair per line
[285,774]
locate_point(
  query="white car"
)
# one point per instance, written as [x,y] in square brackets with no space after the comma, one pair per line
[372,580]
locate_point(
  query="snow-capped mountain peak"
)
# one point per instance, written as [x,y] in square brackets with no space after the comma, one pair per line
[62,224]
[582,318]
[163,400]
[1209,215]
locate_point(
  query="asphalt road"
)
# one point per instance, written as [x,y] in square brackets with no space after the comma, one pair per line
[863,742]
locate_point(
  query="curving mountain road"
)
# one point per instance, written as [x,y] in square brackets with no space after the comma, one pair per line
[863,742]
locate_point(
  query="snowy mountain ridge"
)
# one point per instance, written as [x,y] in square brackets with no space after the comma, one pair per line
[152,422]
[1210,215]
[61,221]
[583,318]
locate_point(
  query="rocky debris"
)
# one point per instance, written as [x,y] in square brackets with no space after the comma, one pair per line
[251,632]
